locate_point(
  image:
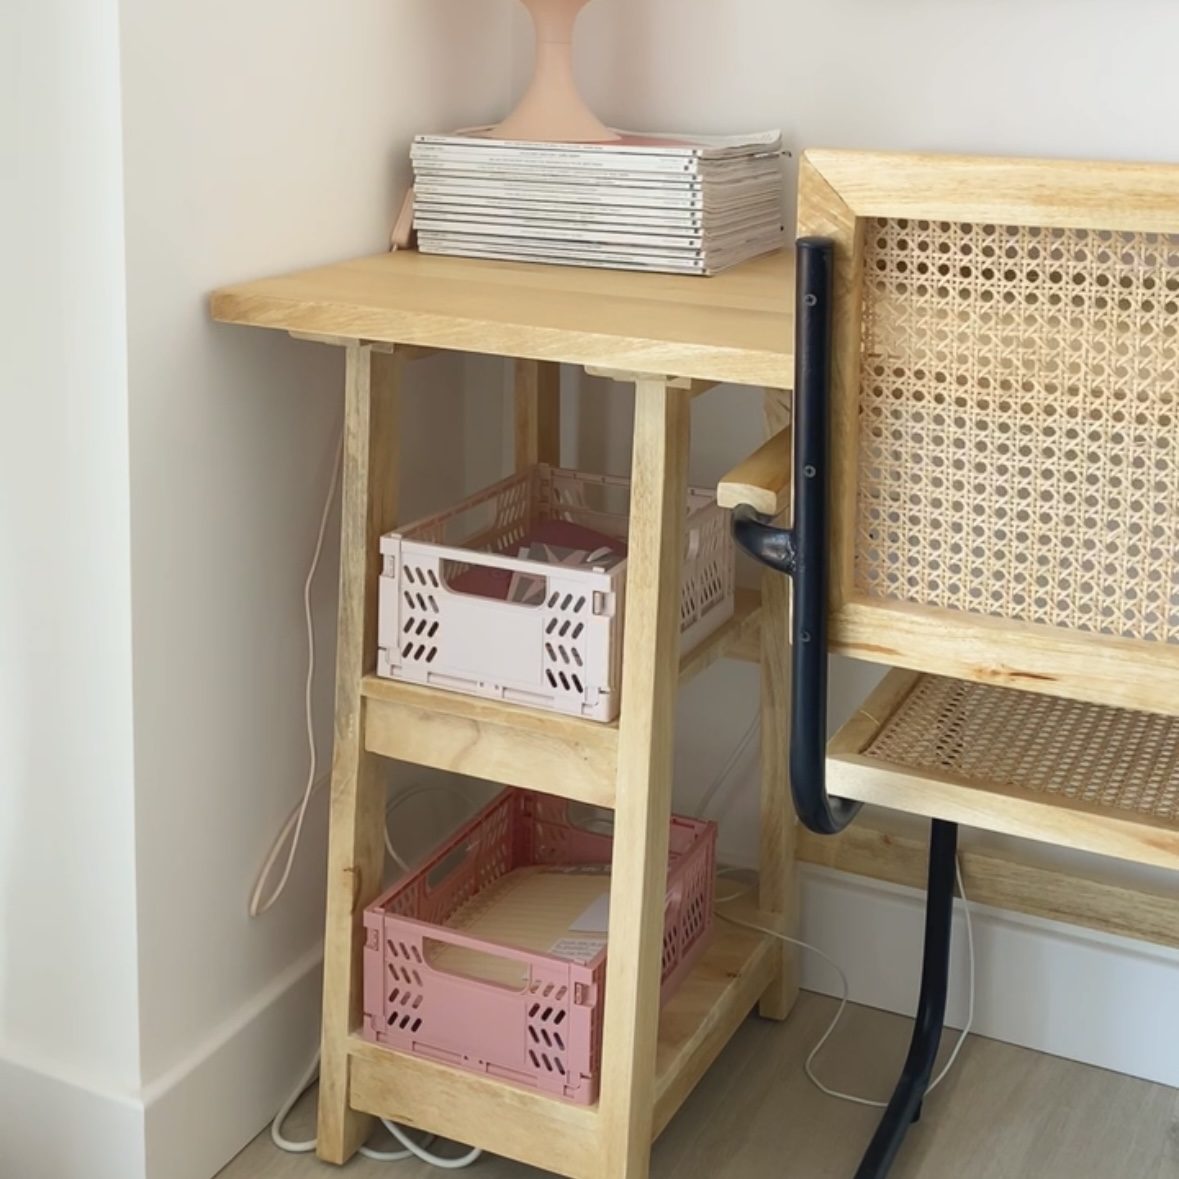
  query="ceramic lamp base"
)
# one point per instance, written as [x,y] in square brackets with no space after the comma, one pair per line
[552,108]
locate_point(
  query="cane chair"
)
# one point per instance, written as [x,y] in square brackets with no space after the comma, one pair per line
[985,493]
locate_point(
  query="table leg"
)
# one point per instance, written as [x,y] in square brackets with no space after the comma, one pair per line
[644,783]
[538,413]
[356,851]
[778,887]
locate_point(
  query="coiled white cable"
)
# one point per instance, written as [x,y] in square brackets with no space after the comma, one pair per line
[308,1145]
[434,1160]
[845,991]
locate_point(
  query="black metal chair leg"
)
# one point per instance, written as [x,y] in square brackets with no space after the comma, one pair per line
[905,1106]
[801,552]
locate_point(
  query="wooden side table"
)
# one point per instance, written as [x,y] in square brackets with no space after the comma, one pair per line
[672,338]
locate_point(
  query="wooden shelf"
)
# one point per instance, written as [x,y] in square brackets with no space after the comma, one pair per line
[1087,776]
[549,1133]
[737,326]
[475,1110]
[561,755]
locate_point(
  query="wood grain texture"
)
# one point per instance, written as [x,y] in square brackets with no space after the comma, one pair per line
[1095,668]
[537,413]
[1004,191]
[1007,810]
[736,326]
[659,482]
[778,888]
[1003,1113]
[546,751]
[1001,881]
[856,734]
[520,746]
[478,1111]
[763,479]
[405,351]
[693,387]
[356,850]
[990,804]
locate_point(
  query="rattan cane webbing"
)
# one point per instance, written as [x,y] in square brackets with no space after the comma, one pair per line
[1091,753]
[1019,424]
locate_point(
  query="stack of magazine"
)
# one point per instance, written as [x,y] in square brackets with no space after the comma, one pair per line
[684,204]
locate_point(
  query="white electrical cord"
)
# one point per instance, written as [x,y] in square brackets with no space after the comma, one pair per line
[290,834]
[308,1145]
[808,1066]
[709,795]
[412,1149]
[405,796]
[293,828]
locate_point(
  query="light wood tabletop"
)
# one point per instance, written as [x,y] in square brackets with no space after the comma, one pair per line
[737,326]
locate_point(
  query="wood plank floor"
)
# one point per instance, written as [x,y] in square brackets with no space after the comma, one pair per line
[1003,1113]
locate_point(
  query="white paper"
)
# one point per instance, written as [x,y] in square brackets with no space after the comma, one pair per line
[578,949]
[595,919]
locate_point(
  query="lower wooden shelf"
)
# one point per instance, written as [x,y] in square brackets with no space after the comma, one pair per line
[1088,776]
[556,1135]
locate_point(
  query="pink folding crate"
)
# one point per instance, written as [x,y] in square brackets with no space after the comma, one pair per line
[482,958]
[561,649]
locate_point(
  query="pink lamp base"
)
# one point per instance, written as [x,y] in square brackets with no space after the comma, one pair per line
[552,109]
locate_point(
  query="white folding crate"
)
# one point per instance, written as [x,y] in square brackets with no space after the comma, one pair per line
[563,653]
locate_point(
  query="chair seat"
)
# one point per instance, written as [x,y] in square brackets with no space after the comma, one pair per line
[1088,776]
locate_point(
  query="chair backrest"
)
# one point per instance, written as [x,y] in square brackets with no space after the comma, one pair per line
[1005,419]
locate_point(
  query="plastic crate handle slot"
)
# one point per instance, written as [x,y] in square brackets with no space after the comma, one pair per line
[531,576]
[482,961]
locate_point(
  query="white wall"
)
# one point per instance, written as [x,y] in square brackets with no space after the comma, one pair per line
[68,1021]
[259,137]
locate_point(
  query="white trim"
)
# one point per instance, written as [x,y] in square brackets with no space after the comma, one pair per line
[208,1107]
[1071,992]
[55,1127]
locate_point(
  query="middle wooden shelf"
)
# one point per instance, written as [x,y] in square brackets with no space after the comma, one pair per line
[548,751]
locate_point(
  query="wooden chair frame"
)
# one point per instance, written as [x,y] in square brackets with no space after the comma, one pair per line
[840,193]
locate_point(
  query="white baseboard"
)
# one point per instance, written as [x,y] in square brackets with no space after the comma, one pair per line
[56,1128]
[1087,996]
[205,1110]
